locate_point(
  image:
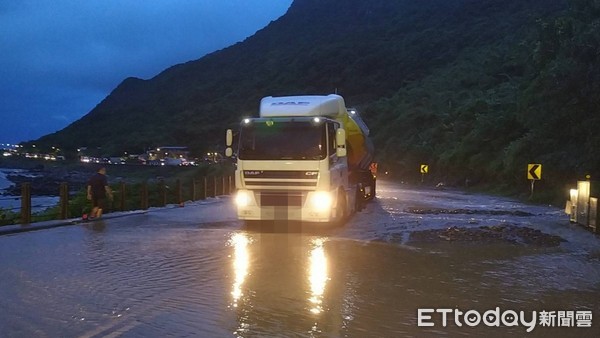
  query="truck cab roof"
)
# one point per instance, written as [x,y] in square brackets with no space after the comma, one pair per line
[309,105]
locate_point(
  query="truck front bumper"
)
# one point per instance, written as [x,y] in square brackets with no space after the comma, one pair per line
[305,206]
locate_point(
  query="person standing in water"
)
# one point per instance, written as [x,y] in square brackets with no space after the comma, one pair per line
[97,192]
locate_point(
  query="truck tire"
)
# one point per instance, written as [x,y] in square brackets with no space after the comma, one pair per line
[341,209]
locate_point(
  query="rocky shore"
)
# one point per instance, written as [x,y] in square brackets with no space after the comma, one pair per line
[46,181]
[45,177]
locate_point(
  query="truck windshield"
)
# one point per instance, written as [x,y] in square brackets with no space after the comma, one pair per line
[273,140]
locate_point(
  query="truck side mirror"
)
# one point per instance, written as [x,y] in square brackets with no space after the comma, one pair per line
[340,141]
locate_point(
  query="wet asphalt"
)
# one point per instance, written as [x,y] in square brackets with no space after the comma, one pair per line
[197,271]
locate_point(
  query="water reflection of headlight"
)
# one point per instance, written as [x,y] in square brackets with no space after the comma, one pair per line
[317,276]
[241,263]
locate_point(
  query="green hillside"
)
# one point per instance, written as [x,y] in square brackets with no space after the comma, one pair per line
[475,88]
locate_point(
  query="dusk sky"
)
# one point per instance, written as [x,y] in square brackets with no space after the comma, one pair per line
[60,58]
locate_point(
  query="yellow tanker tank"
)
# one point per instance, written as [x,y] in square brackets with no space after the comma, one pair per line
[360,147]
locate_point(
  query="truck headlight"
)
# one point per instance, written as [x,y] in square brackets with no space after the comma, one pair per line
[242,198]
[321,200]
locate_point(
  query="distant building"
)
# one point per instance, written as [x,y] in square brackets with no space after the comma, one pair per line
[8,149]
[168,155]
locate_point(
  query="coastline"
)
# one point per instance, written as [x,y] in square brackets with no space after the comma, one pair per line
[44,181]
[12,202]
[5,183]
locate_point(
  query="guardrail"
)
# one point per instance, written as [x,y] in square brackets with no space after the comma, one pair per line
[126,196]
[582,208]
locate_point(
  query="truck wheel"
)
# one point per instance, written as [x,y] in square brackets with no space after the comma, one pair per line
[341,210]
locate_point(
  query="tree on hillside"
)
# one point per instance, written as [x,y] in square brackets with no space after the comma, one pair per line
[561,104]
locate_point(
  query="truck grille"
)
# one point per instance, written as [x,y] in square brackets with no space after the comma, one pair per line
[280,199]
[280,178]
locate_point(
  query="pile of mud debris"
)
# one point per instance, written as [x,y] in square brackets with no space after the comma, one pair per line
[437,211]
[496,233]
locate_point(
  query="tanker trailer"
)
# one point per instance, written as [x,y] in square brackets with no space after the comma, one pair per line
[361,151]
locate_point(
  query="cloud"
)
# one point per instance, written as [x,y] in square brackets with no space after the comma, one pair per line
[57,53]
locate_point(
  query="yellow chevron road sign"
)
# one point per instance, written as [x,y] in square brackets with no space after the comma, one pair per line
[534,171]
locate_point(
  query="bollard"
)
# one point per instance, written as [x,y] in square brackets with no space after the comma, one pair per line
[223,190]
[204,188]
[26,203]
[64,200]
[593,214]
[573,205]
[583,202]
[230,186]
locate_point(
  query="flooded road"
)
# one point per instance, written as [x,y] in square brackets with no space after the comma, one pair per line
[197,272]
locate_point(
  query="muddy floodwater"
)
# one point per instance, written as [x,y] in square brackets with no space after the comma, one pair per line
[410,259]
